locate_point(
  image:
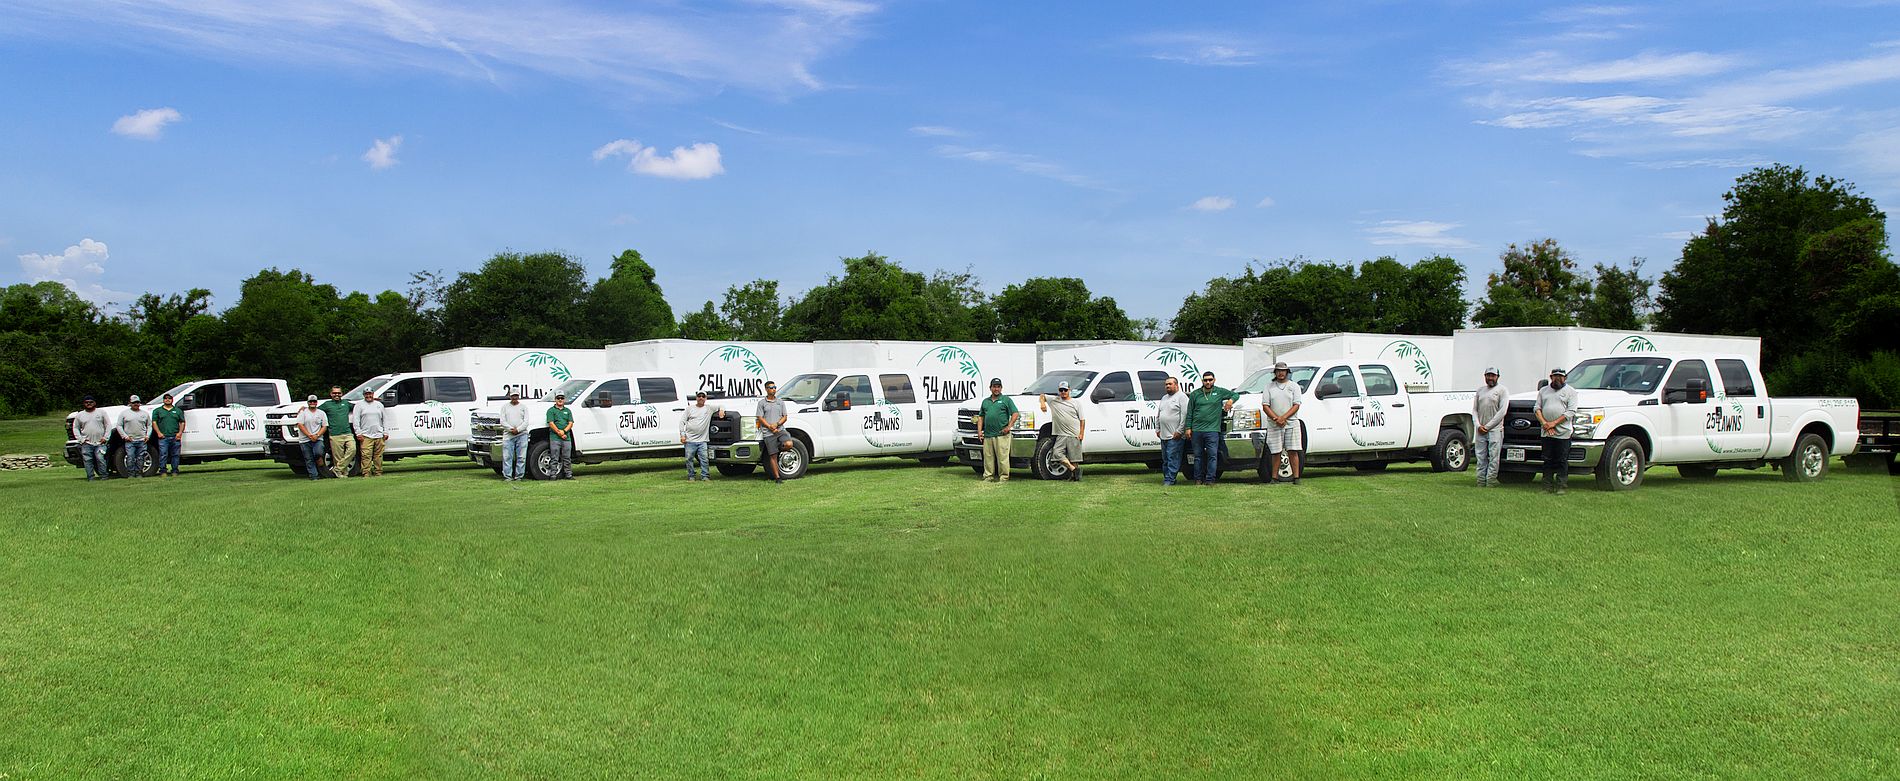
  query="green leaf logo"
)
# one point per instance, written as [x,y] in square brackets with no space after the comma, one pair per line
[955,356]
[1178,359]
[1634,344]
[1403,349]
[747,359]
[538,359]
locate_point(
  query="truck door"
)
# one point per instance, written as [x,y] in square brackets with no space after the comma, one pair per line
[1686,434]
[598,425]
[844,426]
[405,403]
[1387,416]
[1114,407]
[1139,431]
[208,421]
[911,432]
[1327,411]
[660,398]
[1738,423]
[451,401]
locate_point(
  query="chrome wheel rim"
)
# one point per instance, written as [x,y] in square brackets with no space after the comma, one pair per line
[1455,455]
[1626,467]
[788,462]
[1812,461]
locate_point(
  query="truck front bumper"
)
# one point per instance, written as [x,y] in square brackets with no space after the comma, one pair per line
[741,452]
[484,453]
[1529,456]
[72,454]
[1022,447]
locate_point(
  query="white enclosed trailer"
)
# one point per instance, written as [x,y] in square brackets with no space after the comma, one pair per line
[731,369]
[1526,354]
[949,371]
[1183,360]
[532,372]
[1418,362]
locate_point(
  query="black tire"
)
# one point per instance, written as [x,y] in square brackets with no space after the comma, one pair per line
[1452,453]
[1694,472]
[496,467]
[735,470]
[1518,478]
[1377,466]
[793,463]
[540,462]
[1621,468]
[149,468]
[1044,465]
[1808,462]
[1274,462]
[977,467]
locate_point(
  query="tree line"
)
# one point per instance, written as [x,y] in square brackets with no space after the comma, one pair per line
[1801,261]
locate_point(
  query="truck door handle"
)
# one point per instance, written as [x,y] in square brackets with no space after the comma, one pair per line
[1758,412]
[1361,407]
[920,414]
[1398,405]
[679,409]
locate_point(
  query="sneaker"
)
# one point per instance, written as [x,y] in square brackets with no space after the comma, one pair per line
[1559,491]
[1296,481]
[778,480]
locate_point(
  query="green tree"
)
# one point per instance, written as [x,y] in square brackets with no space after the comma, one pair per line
[879,299]
[283,325]
[1539,285]
[1619,298]
[705,324]
[517,300]
[752,311]
[627,305]
[1056,308]
[1426,298]
[1299,296]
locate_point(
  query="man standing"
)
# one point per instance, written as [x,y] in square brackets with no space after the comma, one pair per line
[772,436]
[560,439]
[696,432]
[135,427]
[94,432]
[1279,404]
[312,423]
[1488,406]
[1207,405]
[998,414]
[1067,427]
[168,422]
[1171,428]
[514,443]
[1555,403]
[371,423]
[342,441]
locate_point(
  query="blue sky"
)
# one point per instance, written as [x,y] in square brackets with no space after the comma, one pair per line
[1144,147]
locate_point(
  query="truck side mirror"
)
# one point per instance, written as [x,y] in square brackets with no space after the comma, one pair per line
[190,401]
[603,402]
[390,398]
[1327,391]
[1542,384]
[1698,392]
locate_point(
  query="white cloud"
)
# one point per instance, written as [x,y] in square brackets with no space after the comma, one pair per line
[1021,163]
[148,124]
[85,259]
[1265,203]
[658,49]
[936,130]
[699,161]
[382,152]
[1417,233]
[1212,203]
[1199,49]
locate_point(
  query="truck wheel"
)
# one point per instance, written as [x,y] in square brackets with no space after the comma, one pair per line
[1622,466]
[1452,453]
[540,461]
[1376,466]
[792,463]
[977,467]
[1045,465]
[1519,478]
[147,467]
[1808,462]
[1694,472]
[1274,465]
[735,470]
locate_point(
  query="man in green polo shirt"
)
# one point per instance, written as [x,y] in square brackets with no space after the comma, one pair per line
[169,423]
[342,439]
[561,439]
[1207,405]
[999,418]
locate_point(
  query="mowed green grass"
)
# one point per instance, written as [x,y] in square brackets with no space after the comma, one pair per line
[883,619]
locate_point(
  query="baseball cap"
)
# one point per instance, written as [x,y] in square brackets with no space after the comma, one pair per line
[1279,366]
[560,395]
[1062,386]
[996,382]
[699,394]
[514,394]
[133,400]
[1490,370]
[88,398]
[1560,371]
[313,397]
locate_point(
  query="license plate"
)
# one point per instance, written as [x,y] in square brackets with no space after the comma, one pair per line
[1514,454]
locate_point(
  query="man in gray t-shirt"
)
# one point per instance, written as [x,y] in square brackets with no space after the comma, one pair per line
[135,427]
[1556,405]
[1066,427]
[696,431]
[93,431]
[772,436]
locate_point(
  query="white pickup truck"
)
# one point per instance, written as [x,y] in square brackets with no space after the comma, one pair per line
[223,419]
[617,417]
[1359,414]
[428,414]
[1118,415]
[840,413]
[1696,412]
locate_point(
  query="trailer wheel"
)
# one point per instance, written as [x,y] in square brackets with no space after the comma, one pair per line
[1622,466]
[1808,462]
[1452,453]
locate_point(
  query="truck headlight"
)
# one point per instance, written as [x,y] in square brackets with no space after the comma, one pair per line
[1026,420]
[1246,419]
[748,427]
[1586,422]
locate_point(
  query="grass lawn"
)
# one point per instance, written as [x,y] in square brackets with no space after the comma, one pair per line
[882,619]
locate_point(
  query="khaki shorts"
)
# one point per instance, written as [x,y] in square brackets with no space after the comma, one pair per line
[1068,449]
[1282,438]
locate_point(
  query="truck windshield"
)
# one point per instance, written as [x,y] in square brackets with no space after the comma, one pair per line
[374,383]
[175,393]
[1257,381]
[804,388]
[572,389]
[1631,375]
[1078,382]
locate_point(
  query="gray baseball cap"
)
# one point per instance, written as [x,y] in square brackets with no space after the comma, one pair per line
[1490,370]
[1062,386]
[133,400]
[1560,372]
[1279,366]
[313,397]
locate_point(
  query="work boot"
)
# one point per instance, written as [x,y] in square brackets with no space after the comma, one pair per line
[1075,474]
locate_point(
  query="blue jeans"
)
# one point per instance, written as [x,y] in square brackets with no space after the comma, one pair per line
[1207,455]
[1490,447]
[1171,452]
[168,454]
[93,457]
[135,458]
[514,455]
[312,456]
[696,454]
